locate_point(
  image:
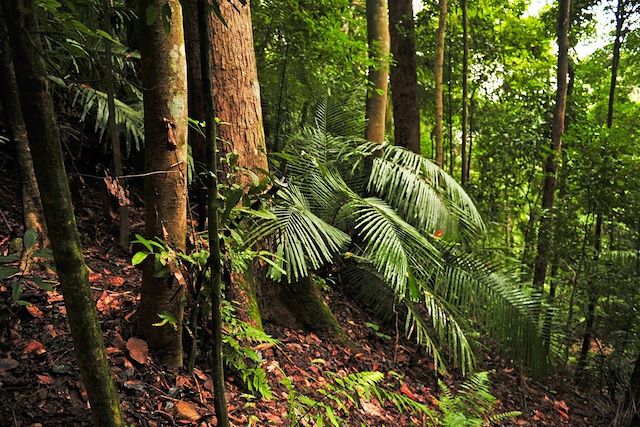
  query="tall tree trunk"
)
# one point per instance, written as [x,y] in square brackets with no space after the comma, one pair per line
[31,205]
[450,108]
[378,38]
[165,129]
[44,140]
[404,77]
[438,72]
[113,132]
[465,89]
[215,258]
[237,102]
[615,61]
[196,107]
[545,234]
[471,129]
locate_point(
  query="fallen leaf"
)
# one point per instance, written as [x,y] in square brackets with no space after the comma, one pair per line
[94,277]
[138,350]
[370,408]
[116,280]
[34,311]
[134,385]
[35,347]
[8,364]
[186,411]
[104,302]
[404,389]
[45,379]
[117,190]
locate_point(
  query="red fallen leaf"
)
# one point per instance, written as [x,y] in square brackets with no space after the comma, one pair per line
[34,347]
[404,389]
[45,379]
[437,234]
[200,374]
[186,411]
[94,277]
[183,381]
[34,311]
[54,296]
[104,302]
[116,280]
[138,350]
[562,408]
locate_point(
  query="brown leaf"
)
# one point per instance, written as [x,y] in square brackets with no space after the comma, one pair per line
[404,389]
[138,350]
[34,311]
[186,411]
[104,302]
[116,280]
[35,347]
[45,379]
[370,408]
[117,190]
[8,364]
[171,134]
[94,277]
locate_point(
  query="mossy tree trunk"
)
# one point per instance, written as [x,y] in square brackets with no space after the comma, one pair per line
[378,39]
[404,77]
[31,204]
[44,141]
[164,81]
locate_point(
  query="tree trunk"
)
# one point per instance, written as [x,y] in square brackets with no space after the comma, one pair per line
[632,396]
[465,88]
[545,235]
[215,258]
[237,102]
[438,72]
[31,205]
[378,39]
[450,109]
[404,77]
[112,129]
[471,129]
[196,107]
[615,61]
[165,129]
[44,140]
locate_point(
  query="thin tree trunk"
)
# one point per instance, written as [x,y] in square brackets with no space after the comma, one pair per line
[196,107]
[615,61]
[165,115]
[450,109]
[44,140]
[545,234]
[236,93]
[31,204]
[465,89]
[215,259]
[471,129]
[404,77]
[438,72]
[378,39]
[113,132]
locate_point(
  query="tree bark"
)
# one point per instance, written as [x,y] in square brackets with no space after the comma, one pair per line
[545,234]
[378,39]
[215,258]
[615,61]
[438,72]
[165,115]
[196,107]
[44,140]
[404,77]
[237,102]
[31,204]
[465,89]
[112,129]
[632,396]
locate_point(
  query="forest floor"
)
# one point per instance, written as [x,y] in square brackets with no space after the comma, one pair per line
[40,384]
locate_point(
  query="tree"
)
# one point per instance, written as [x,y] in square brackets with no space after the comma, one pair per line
[438,73]
[48,162]
[378,39]
[236,92]
[165,128]
[404,78]
[31,204]
[215,258]
[465,89]
[551,163]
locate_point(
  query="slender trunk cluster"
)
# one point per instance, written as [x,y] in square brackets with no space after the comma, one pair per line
[165,130]
[379,45]
[48,162]
[465,90]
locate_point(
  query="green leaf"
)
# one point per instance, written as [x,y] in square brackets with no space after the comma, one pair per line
[41,283]
[139,257]
[6,272]
[30,238]
[167,318]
